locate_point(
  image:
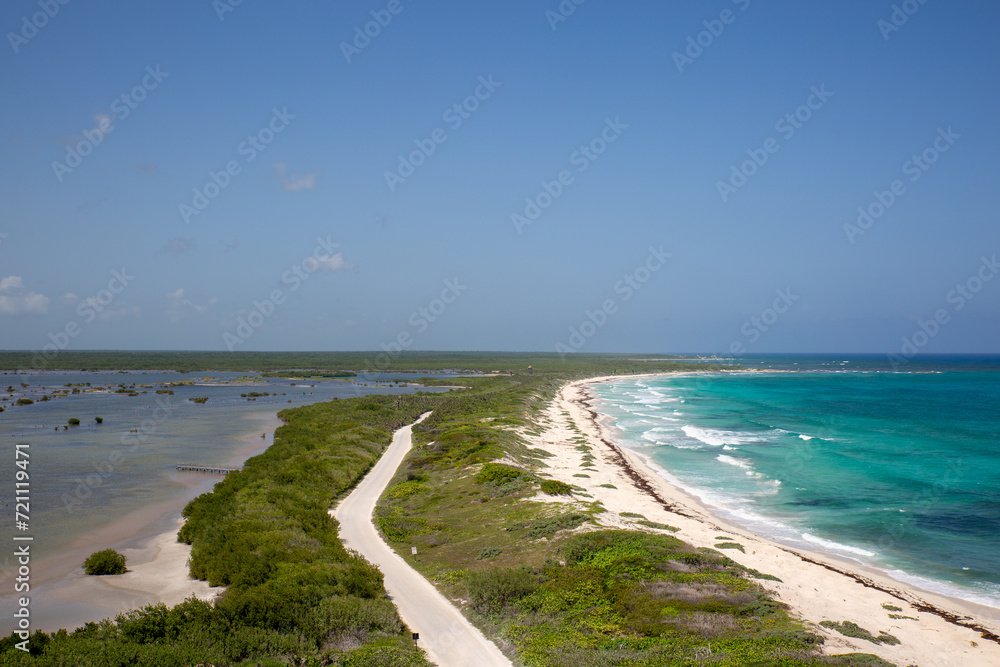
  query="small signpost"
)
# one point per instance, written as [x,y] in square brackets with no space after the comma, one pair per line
[413,550]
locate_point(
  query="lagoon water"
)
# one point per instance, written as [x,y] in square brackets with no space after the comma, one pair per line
[898,468]
[86,477]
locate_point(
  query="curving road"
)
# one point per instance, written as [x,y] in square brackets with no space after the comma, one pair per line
[447,636]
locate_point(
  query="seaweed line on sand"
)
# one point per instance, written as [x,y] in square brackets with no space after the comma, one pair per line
[917,603]
[643,485]
[638,479]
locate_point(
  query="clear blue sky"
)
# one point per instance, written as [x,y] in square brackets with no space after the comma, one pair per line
[673,128]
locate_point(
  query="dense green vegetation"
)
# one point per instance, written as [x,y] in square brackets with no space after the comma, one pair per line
[308,363]
[311,374]
[294,593]
[106,561]
[541,577]
[549,593]
[622,597]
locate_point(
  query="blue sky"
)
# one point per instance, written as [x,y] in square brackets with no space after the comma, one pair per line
[651,114]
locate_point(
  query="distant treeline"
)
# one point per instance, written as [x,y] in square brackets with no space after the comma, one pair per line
[310,374]
[325,361]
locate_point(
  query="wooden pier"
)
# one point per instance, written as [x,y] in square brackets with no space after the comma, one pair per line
[213,469]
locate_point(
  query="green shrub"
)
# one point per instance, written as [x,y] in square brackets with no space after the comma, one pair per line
[338,617]
[107,561]
[493,589]
[556,488]
[199,399]
[549,526]
[397,527]
[99,420]
[497,474]
[405,490]
[489,552]
[851,629]
[73,421]
[24,401]
[658,526]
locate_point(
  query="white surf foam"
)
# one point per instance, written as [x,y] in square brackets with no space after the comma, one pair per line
[989,598]
[718,438]
[733,461]
[663,436]
[837,546]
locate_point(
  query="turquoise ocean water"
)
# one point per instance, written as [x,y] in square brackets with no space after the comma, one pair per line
[898,468]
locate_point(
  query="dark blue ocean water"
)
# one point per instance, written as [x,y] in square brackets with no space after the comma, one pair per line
[898,468]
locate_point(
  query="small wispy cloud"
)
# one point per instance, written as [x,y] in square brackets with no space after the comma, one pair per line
[294,182]
[178,246]
[16,300]
[333,262]
[180,306]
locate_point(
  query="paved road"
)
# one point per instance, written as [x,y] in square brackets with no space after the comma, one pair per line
[447,637]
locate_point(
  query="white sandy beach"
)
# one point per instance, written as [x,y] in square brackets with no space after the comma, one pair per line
[946,632]
[817,587]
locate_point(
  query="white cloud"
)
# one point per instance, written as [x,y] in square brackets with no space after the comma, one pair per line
[333,262]
[178,246]
[294,182]
[14,300]
[68,299]
[180,306]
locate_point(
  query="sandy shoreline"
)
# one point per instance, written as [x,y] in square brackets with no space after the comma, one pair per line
[62,596]
[940,631]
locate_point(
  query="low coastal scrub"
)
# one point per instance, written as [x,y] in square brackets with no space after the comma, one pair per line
[554,487]
[851,629]
[105,562]
[405,490]
[498,474]
[657,526]
[294,593]
[582,596]
[549,526]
